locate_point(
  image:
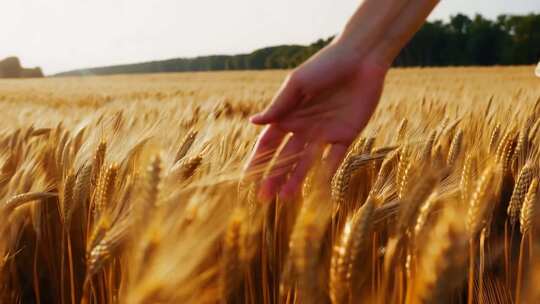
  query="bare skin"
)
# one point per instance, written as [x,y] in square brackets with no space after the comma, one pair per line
[329,99]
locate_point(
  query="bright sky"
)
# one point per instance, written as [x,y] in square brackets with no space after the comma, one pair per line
[60,35]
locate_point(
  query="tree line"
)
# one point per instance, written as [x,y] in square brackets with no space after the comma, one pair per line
[460,41]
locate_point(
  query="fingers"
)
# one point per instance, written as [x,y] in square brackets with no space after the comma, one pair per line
[283,164]
[287,97]
[292,186]
[335,157]
[267,144]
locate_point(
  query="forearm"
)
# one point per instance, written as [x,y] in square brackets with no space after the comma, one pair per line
[367,26]
[402,30]
[381,28]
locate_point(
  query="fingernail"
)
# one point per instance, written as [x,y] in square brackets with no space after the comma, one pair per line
[258,118]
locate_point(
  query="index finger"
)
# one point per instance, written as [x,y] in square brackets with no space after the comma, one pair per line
[269,141]
[285,100]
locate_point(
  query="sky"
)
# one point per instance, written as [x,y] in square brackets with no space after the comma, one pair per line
[60,35]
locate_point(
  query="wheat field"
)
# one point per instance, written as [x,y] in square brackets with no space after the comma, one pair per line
[129,189]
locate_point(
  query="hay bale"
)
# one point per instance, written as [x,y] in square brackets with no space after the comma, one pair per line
[31,73]
[11,68]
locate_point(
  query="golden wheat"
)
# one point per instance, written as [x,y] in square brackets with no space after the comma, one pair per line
[129,189]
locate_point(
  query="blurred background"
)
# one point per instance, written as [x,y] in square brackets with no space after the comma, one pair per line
[65,35]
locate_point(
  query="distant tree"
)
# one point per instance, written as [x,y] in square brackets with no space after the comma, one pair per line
[486,42]
[460,24]
[525,31]
[460,41]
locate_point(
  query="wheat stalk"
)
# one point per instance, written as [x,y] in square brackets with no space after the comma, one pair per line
[82,188]
[493,139]
[342,178]
[105,244]
[346,256]
[528,210]
[441,262]
[428,147]
[231,264]
[105,188]
[187,142]
[454,150]
[487,188]
[402,130]
[98,161]
[67,197]
[520,190]
[21,199]
[466,177]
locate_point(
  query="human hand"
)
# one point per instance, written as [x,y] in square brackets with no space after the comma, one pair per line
[326,101]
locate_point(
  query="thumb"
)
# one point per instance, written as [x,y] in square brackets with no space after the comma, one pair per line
[287,97]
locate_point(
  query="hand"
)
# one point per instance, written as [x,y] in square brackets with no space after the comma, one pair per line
[326,101]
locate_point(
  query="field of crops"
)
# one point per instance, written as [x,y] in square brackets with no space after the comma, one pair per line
[129,189]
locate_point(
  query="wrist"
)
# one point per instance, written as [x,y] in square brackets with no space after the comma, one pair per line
[362,60]
[383,55]
[349,42]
